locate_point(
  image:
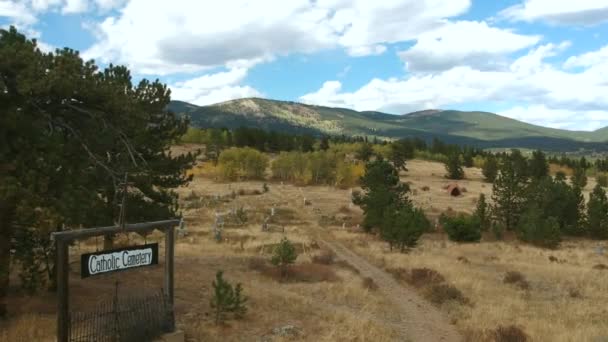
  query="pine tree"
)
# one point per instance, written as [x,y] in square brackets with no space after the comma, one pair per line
[508,194]
[579,178]
[227,299]
[401,151]
[453,166]
[467,158]
[481,213]
[490,168]
[284,255]
[68,134]
[381,190]
[403,225]
[538,229]
[557,199]
[597,213]
[538,167]
[365,152]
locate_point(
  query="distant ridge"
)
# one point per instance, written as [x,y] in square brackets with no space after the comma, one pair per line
[483,129]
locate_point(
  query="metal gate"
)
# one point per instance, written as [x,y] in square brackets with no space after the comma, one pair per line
[128,318]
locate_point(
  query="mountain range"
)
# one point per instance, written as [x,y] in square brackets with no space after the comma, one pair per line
[481,129]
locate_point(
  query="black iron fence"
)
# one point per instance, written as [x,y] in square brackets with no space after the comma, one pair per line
[125,318]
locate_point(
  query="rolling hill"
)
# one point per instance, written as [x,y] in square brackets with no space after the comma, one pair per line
[480,129]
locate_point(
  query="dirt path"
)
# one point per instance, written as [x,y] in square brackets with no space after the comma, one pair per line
[419,320]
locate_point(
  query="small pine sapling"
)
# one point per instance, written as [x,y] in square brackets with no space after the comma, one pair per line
[284,255]
[227,299]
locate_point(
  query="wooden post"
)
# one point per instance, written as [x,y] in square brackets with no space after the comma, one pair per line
[169,266]
[64,238]
[63,305]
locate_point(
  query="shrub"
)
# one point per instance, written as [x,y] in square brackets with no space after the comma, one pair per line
[258,264]
[324,258]
[310,273]
[517,279]
[419,277]
[574,293]
[510,333]
[462,228]
[425,188]
[463,260]
[369,284]
[227,299]
[539,230]
[284,255]
[236,163]
[600,267]
[442,293]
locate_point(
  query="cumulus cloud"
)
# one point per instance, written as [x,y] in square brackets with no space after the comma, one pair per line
[214,88]
[589,59]
[558,118]
[529,79]
[191,34]
[17,12]
[562,12]
[464,43]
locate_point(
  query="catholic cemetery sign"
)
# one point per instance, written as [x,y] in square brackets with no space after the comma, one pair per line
[118,260]
[159,307]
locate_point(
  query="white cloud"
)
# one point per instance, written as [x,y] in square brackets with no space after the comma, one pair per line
[529,80]
[17,12]
[464,43]
[75,6]
[190,35]
[43,5]
[106,5]
[563,12]
[558,118]
[589,59]
[214,88]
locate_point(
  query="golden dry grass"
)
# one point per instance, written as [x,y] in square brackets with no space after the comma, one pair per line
[566,299]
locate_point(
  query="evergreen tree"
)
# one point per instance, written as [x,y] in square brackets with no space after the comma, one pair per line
[284,255]
[403,225]
[538,167]
[508,194]
[68,134]
[467,157]
[597,213]
[365,152]
[401,151]
[227,299]
[579,178]
[557,199]
[382,190]
[453,166]
[481,213]
[520,164]
[462,228]
[490,168]
[538,229]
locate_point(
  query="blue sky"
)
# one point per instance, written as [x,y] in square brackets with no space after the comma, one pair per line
[539,61]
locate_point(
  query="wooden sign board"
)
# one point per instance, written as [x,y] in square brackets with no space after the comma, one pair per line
[114,260]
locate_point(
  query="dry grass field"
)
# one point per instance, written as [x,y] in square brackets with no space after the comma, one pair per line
[558,295]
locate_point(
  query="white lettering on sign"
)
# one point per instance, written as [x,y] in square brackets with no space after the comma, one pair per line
[119,260]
